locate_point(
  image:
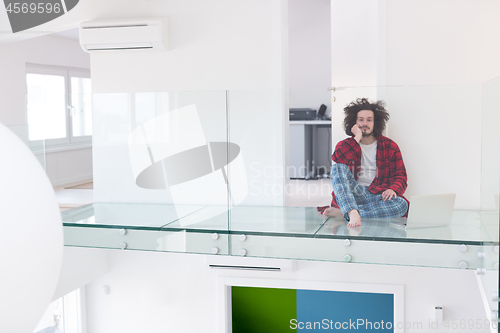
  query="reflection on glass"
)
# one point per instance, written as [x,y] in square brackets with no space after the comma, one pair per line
[433,166]
[81,106]
[165,148]
[371,228]
[46,106]
[145,105]
[62,316]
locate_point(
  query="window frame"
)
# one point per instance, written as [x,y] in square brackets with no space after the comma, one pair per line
[78,312]
[81,74]
[69,141]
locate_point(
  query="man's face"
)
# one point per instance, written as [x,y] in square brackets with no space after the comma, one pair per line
[366,121]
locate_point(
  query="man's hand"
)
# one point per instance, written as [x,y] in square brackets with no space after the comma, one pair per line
[388,194]
[358,134]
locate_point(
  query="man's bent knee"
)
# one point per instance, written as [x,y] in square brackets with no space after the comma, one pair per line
[401,206]
[405,207]
[339,168]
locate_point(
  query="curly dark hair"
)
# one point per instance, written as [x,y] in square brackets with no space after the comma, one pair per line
[379,111]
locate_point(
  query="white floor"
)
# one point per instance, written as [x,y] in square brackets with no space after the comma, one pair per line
[301,193]
[309,193]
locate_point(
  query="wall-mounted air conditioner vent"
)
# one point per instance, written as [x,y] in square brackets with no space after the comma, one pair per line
[137,34]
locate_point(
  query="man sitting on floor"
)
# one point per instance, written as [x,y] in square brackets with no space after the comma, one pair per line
[369,177]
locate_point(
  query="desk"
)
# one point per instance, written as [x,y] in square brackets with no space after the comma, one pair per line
[303,143]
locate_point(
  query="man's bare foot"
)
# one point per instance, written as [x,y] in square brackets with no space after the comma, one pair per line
[354,219]
[332,212]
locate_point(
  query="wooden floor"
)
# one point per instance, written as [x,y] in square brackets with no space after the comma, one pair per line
[74,195]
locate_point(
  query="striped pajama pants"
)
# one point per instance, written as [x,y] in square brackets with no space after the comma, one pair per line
[350,195]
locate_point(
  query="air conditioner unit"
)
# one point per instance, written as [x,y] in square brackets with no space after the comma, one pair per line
[137,34]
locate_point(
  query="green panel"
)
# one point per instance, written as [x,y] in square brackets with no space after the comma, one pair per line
[262,309]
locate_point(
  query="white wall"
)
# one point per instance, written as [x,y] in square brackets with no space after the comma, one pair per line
[442,42]
[309,64]
[358,42]
[151,292]
[80,266]
[309,54]
[357,54]
[62,167]
[438,53]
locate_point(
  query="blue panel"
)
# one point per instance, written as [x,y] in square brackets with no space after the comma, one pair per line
[320,311]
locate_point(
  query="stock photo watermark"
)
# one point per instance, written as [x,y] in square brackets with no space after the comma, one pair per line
[262,181]
[365,324]
[26,14]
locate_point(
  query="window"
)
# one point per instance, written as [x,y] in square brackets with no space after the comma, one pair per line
[64,315]
[59,105]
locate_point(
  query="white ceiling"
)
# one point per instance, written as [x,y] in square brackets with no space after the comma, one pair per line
[70,34]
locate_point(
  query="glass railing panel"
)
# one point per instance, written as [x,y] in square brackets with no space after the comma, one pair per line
[248,193]
[81,215]
[490,139]
[490,189]
[146,240]
[166,150]
[378,241]
[422,120]
[257,172]
[274,232]
[465,226]
[139,227]
[118,215]
[263,220]
[344,249]
[257,137]
[487,279]
[275,221]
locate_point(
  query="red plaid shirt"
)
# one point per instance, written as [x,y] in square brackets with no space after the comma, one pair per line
[391,171]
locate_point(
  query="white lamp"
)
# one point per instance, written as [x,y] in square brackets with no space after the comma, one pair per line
[31,237]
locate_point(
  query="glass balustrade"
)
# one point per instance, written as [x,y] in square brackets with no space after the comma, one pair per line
[207,172]
[490,180]
[280,232]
